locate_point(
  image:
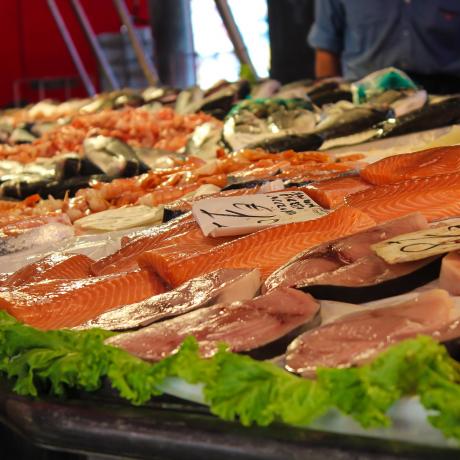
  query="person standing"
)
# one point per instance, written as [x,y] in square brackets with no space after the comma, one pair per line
[353,38]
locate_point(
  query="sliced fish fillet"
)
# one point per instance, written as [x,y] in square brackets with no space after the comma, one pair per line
[436,197]
[243,326]
[356,338]
[54,266]
[56,304]
[439,160]
[266,249]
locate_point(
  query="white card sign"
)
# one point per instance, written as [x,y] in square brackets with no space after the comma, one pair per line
[239,215]
[419,245]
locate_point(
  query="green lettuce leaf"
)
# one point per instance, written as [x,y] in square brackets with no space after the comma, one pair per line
[260,392]
[236,387]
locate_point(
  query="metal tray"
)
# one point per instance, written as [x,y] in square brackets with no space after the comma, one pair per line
[169,428]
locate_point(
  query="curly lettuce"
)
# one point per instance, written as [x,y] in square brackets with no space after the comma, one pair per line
[236,387]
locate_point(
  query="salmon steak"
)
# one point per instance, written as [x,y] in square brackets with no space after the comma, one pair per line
[243,326]
[358,337]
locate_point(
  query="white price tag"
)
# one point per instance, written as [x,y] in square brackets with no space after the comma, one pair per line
[419,245]
[239,215]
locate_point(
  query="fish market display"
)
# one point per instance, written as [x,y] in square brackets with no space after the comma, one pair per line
[255,120]
[438,112]
[162,129]
[370,278]
[106,257]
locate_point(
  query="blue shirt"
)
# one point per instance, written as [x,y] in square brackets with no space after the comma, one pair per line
[420,36]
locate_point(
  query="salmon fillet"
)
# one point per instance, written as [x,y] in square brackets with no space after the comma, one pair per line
[125,259]
[431,162]
[436,197]
[55,266]
[56,304]
[331,193]
[188,243]
[266,249]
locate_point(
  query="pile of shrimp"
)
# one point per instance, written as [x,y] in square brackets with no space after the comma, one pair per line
[166,185]
[139,127]
[43,111]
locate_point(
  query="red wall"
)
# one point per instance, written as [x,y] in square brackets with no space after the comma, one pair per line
[31,45]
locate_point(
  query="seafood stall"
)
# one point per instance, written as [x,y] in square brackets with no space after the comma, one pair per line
[255,270]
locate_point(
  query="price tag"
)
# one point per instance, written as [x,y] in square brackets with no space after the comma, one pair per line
[239,215]
[419,245]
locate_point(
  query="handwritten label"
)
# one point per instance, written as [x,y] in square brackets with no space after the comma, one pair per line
[239,215]
[419,245]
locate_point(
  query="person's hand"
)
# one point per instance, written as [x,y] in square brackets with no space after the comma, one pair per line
[327,64]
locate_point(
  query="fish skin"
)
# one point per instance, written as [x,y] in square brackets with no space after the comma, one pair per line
[218,286]
[397,168]
[57,304]
[433,115]
[54,266]
[243,326]
[364,271]
[358,337]
[293,274]
[436,197]
[266,249]
[331,193]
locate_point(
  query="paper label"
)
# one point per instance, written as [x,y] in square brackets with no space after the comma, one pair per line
[419,245]
[239,215]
